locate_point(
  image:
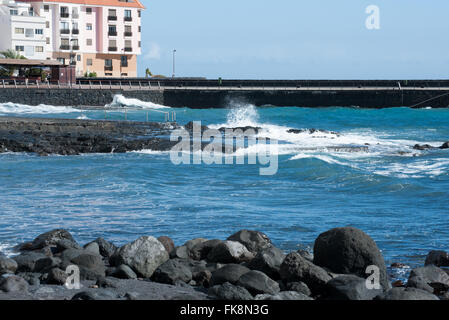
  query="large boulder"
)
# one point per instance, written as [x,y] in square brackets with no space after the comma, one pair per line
[349,251]
[437,258]
[167,242]
[430,278]
[91,263]
[13,284]
[406,294]
[171,272]
[229,273]
[227,291]
[254,241]
[229,252]
[201,250]
[7,265]
[107,249]
[26,261]
[124,272]
[268,260]
[180,252]
[300,287]
[296,268]
[143,255]
[92,248]
[51,239]
[57,276]
[46,264]
[257,282]
[350,287]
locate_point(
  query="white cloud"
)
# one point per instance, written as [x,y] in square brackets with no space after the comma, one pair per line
[154,52]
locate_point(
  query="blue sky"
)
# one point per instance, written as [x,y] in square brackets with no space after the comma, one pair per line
[296,39]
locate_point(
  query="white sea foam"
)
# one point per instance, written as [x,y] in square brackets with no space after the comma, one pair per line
[121,101]
[16,108]
[149,151]
[336,148]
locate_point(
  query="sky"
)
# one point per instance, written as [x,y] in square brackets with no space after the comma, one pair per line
[296,39]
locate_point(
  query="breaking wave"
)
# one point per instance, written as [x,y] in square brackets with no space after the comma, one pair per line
[121,101]
[10,108]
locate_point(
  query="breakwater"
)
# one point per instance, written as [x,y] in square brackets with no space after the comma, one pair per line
[219,94]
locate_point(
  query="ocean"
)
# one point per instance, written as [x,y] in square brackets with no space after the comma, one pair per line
[396,194]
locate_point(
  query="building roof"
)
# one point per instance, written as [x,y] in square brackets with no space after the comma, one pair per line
[109,3]
[29,63]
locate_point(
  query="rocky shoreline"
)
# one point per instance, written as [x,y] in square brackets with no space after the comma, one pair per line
[245,266]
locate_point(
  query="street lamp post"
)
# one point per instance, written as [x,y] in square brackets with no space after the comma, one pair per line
[174,62]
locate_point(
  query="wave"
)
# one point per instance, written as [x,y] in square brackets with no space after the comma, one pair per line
[16,108]
[364,149]
[121,101]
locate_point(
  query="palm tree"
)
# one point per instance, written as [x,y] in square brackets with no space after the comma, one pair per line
[11,54]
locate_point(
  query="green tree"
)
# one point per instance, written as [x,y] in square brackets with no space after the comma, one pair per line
[11,54]
[148,73]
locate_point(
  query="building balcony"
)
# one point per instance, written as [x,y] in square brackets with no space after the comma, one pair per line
[64,47]
[128,34]
[65,31]
[64,15]
[75,16]
[128,19]
[112,48]
[128,49]
[107,68]
[75,31]
[112,33]
[112,18]
[75,47]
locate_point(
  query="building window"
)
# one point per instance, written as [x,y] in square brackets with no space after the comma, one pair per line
[108,64]
[78,58]
[48,40]
[124,61]
[112,13]
[39,49]
[140,29]
[128,44]
[127,13]
[46,7]
[61,60]
[140,44]
[89,26]
[19,30]
[89,62]
[64,12]
[88,10]
[20,48]
[39,31]
[29,33]
[14,12]
[89,42]
[47,24]
[139,13]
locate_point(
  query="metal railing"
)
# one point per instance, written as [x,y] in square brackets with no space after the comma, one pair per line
[164,84]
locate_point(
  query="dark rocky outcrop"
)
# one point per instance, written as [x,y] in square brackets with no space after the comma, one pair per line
[406,294]
[349,251]
[227,291]
[51,239]
[430,278]
[171,272]
[229,273]
[7,265]
[229,252]
[13,284]
[349,287]
[295,268]
[167,242]
[268,261]
[438,258]
[254,241]
[257,282]
[284,296]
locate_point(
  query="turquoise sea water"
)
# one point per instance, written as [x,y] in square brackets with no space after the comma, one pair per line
[394,193]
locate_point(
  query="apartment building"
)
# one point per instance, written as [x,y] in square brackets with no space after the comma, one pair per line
[101,36]
[22,30]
